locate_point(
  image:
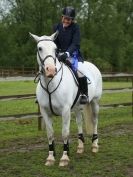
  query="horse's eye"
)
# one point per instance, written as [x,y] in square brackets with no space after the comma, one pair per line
[40,48]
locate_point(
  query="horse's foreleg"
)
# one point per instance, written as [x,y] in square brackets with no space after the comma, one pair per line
[64,161]
[95,111]
[50,134]
[80,148]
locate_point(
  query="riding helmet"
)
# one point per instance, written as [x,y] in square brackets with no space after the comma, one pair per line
[69,12]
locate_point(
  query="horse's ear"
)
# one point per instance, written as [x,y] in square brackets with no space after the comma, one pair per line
[54,36]
[35,37]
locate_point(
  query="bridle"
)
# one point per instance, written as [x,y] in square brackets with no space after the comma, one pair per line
[46,89]
[48,56]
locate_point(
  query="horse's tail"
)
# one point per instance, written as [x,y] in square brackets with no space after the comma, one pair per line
[87,111]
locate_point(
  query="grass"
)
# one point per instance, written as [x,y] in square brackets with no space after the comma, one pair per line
[28,127]
[8,107]
[27,87]
[18,107]
[116,84]
[114,158]
[17,88]
[23,149]
[111,98]
[116,162]
[27,106]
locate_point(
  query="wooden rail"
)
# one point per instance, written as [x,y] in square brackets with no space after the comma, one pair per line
[17,71]
[107,106]
[30,96]
[17,97]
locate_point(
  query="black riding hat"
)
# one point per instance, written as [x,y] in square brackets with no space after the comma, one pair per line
[69,12]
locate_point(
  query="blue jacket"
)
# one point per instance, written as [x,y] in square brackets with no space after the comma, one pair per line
[68,39]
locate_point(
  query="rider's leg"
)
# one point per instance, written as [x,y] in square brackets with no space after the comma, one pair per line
[83,85]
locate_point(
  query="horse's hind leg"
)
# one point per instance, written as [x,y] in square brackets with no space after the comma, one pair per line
[50,134]
[80,148]
[95,111]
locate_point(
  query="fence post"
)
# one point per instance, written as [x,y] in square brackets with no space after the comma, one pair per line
[39,119]
[22,70]
[132,97]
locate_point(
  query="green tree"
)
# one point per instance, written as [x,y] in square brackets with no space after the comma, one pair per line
[106,30]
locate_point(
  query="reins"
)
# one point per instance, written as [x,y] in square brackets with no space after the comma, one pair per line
[46,89]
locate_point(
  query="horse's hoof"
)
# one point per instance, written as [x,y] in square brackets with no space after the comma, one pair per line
[80,150]
[64,163]
[50,162]
[94,149]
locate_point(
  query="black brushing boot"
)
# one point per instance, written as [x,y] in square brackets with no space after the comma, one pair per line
[83,85]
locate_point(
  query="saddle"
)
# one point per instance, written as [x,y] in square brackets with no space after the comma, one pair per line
[74,72]
[82,85]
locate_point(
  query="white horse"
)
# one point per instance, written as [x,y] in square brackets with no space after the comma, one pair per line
[56,92]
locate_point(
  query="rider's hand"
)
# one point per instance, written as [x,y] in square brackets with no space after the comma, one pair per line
[67,62]
[63,57]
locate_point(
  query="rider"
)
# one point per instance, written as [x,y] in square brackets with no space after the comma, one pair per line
[68,42]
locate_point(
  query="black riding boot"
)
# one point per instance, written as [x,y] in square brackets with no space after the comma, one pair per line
[83,85]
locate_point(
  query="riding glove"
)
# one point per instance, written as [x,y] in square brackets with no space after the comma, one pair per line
[63,57]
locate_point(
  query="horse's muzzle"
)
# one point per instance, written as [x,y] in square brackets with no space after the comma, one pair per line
[50,71]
